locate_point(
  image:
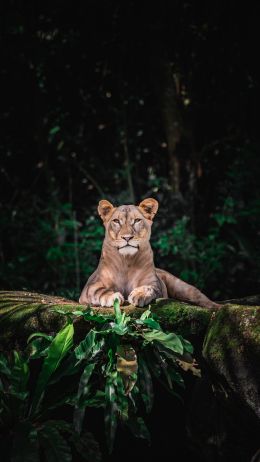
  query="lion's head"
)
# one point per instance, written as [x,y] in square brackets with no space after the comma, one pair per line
[128,227]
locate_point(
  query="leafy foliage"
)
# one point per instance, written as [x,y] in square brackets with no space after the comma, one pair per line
[112,368]
[26,427]
[119,356]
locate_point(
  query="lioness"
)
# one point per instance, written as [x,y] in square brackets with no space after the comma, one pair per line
[126,268]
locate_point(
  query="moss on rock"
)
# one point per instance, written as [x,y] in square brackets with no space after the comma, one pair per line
[232,349]
[22,313]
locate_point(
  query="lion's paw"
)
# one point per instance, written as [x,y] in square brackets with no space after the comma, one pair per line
[108,299]
[141,296]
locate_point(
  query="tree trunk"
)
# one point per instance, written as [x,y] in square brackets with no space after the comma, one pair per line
[166,88]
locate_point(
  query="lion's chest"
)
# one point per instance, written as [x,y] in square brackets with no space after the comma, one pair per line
[128,280]
[124,278]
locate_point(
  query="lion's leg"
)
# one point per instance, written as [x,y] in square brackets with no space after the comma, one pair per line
[97,295]
[181,290]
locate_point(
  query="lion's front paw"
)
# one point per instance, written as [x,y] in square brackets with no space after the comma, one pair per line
[141,296]
[109,298]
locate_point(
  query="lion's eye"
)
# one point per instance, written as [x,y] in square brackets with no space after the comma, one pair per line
[116,221]
[137,220]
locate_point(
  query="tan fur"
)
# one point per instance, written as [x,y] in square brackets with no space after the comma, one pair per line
[126,269]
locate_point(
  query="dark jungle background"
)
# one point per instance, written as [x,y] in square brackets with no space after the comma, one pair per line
[126,100]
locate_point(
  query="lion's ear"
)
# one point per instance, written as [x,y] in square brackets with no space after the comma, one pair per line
[105,209]
[148,207]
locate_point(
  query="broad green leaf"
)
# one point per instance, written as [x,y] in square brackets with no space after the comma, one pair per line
[97,347]
[99,318]
[4,366]
[83,390]
[170,354]
[55,445]
[145,315]
[110,412]
[54,130]
[84,349]
[150,322]
[170,341]
[59,347]
[186,345]
[122,400]
[40,334]
[25,443]
[88,315]
[20,374]
[38,347]
[70,366]
[84,379]
[119,329]
[117,310]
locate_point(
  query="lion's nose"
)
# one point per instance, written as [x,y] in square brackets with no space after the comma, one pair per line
[127,237]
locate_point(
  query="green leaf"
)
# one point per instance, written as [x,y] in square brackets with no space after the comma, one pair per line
[83,390]
[55,446]
[84,380]
[40,334]
[20,374]
[99,318]
[117,310]
[38,347]
[25,443]
[97,348]
[170,341]
[70,366]
[145,315]
[110,411]
[119,329]
[186,344]
[54,130]
[152,324]
[84,349]
[59,347]
[4,366]
[122,400]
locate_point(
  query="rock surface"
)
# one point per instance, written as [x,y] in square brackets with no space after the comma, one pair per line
[232,350]
[22,313]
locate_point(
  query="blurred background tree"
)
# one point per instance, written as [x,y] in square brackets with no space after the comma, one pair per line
[125,100]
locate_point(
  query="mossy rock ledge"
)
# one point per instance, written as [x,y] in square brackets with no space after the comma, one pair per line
[22,313]
[232,351]
[231,335]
